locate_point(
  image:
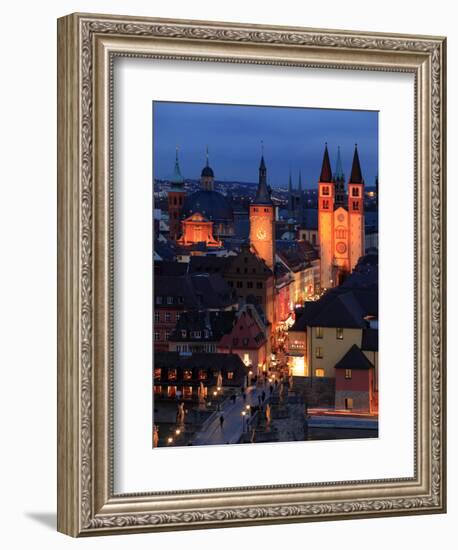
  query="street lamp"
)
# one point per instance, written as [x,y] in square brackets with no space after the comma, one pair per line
[243,420]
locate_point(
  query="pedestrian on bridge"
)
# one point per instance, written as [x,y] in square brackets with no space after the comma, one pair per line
[221,421]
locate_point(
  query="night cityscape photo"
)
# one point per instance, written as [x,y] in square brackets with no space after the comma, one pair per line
[265,274]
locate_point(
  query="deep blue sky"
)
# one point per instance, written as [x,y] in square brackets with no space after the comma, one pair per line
[293,139]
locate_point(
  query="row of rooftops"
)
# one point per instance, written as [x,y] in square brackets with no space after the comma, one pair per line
[353,304]
[192,291]
[296,255]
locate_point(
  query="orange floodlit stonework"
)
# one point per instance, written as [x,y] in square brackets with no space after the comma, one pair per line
[198,229]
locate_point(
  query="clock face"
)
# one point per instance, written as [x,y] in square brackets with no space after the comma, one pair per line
[262,229]
[261,234]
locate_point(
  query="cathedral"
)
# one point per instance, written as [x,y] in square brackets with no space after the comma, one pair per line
[340,220]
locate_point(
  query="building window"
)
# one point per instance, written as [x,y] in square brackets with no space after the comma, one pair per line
[230,375]
[348,403]
[177,316]
[259,299]
[157,373]
[167,335]
[197,334]
[319,332]
[187,374]
[171,391]
[245,341]
[259,284]
[319,352]
[157,317]
[239,284]
[172,374]
[326,190]
[187,392]
[169,300]
[231,284]
[325,204]
[157,390]
[235,341]
[168,316]
[183,333]
[341,234]
[202,374]
[158,299]
[319,373]
[348,374]
[355,192]
[313,238]
[355,205]
[339,333]
[157,336]
[249,284]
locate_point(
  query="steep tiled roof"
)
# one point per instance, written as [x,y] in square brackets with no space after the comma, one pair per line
[211,325]
[354,359]
[197,291]
[326,172]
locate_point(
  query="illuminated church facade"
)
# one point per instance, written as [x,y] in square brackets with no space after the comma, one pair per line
[205,216]
[340,220]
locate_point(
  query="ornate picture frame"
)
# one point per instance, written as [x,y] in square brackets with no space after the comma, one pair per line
[87,46]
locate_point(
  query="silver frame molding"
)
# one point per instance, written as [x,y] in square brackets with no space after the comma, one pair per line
[87,45]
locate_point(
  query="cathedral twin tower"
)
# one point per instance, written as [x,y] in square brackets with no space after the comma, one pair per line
[340,220]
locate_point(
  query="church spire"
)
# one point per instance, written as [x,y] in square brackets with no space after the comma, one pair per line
[339,175]
[263,192]
[326,172]
[356,175]
[177,178]
[207,175]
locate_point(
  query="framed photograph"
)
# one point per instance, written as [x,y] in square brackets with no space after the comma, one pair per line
[251,281]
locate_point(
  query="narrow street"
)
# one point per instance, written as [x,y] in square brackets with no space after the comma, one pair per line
[234,422]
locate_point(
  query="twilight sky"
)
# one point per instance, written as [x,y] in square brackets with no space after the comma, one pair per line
[293,139]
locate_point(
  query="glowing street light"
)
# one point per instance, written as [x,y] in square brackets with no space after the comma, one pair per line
[170,440]
[243,420]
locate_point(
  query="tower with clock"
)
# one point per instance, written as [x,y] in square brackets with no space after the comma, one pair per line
[262,220]
[340,228]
